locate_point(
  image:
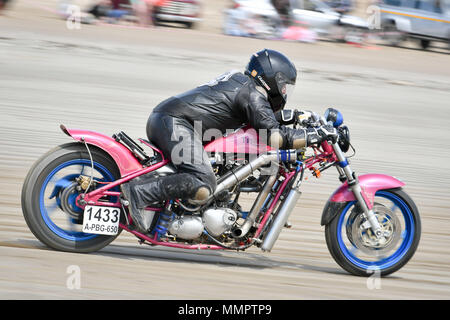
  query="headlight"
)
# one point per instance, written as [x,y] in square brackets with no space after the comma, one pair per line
[344,138]
[334,116]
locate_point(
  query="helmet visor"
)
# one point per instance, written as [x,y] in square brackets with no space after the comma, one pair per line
[285,86]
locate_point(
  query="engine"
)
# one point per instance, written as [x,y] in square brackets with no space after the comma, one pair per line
[222,214]
[216,221]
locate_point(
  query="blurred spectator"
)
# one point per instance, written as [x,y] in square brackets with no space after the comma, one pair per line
[92,10]
[100,8]
[117,4]
[283,8]
[112,11]
[144,10]
[437,6]
[3,4]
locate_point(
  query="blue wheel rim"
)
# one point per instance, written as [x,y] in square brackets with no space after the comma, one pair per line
[69,234]
[399,253]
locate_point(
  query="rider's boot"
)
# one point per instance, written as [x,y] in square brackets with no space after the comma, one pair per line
[142,193]
[142,220]
[141,217]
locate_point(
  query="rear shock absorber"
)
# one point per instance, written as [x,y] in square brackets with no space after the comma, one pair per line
[165,216]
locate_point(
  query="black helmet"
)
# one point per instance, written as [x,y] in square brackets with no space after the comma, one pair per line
[274,72]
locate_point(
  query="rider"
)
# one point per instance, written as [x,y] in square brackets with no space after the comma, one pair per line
[228,102]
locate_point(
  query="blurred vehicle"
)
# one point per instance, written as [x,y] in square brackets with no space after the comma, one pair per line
[90,11]
[314,14]
[186,12]
[321,17]
[144,12]
[426,20]
[341,6]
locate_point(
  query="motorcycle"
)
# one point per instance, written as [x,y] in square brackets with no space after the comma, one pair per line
[71,199]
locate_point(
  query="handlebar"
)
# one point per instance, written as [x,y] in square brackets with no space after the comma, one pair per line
[309,119]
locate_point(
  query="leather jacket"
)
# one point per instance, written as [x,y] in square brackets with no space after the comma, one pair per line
[228,102]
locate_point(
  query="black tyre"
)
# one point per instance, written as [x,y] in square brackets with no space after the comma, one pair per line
[49,192]
[189,25]
[355,248]
[425,44]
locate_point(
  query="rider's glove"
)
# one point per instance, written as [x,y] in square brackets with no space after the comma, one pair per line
[315,136]
[328,132]
[305,118]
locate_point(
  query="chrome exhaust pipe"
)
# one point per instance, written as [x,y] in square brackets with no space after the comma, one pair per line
[245,171]
[281,219]
[284,212]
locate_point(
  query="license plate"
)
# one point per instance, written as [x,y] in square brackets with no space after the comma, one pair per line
[101,220]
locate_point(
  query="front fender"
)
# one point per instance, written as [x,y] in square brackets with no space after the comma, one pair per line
[125,160]
[370,184]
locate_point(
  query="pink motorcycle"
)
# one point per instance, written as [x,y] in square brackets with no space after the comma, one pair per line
[71,198]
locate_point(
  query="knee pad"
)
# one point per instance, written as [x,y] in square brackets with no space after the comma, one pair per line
[201,195]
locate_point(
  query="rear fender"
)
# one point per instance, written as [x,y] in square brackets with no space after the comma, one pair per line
[370,184]
[125,160]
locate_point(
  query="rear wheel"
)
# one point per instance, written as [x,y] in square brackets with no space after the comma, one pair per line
[49,193]
[357,250]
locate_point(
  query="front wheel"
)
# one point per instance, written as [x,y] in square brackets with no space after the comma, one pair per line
[357,250]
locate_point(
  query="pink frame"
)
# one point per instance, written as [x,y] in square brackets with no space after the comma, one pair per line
[92,198]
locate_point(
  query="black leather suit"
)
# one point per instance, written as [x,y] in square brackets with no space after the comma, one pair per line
[225,103]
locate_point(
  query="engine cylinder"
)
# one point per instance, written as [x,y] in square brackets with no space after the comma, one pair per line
[218,221]
[187,227]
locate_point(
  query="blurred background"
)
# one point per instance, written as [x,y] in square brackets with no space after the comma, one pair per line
[355,21]
[104,65]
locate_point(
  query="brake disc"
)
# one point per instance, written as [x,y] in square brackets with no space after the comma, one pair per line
[362,237]
[67,198]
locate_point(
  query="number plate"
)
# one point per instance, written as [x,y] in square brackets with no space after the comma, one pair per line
[101,220]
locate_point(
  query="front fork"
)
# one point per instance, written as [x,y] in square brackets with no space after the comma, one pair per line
[345,172]
[353,183]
